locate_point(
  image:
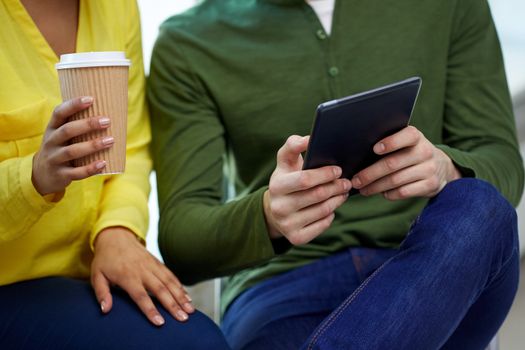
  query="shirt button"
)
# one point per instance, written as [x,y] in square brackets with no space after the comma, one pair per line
[321,34]
[333,71]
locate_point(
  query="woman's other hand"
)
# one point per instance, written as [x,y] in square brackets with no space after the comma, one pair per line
[52,169]
[120,259]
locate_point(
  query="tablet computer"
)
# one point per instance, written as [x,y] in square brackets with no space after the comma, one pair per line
[346,130]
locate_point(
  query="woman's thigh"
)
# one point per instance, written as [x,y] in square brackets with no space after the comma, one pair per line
[61,313]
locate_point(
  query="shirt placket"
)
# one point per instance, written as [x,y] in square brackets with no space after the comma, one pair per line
[331,70]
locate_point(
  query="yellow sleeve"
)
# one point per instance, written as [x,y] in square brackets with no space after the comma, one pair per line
[21,206]
[124,199]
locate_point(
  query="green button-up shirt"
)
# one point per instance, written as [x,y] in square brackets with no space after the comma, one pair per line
[232,79]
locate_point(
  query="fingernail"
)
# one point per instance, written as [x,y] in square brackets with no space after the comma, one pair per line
[182,315]
[346,185]
[158,320]
[338,171]
[86,99]
[379,148]
[188,298]
[188,307]
[104,121]
[356,182]
[99,166]
[103,306]
[108,140]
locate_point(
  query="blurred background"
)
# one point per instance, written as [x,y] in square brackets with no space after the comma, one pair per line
[509,18]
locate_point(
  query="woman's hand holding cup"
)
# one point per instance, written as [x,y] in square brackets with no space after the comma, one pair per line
[52,168]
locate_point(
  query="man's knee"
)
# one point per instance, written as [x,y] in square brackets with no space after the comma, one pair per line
[469,215]
[479,197]
[480,205]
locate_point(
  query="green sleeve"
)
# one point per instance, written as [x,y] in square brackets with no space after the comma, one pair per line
[200,236]
[479,132]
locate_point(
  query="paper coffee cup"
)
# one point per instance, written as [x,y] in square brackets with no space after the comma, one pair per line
[104,76]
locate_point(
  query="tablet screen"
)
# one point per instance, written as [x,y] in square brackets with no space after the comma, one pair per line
[346,130]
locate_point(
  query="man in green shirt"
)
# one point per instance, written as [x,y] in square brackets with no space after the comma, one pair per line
[232,80]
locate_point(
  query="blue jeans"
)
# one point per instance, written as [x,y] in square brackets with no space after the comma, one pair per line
[449,285]
[61,313]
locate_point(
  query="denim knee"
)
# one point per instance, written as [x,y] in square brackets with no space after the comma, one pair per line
[471,218]
[482,207]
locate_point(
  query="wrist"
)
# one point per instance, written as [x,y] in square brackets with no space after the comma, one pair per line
[112,233]
[455,174]
[452,172]
[34,179]
[273,233]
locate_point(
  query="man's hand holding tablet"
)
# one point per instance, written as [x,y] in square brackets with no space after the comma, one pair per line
[379,154]
[411,167]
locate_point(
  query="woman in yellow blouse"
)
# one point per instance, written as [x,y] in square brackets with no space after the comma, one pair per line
[59,225]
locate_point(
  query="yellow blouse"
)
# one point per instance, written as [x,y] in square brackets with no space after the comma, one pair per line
[37,237]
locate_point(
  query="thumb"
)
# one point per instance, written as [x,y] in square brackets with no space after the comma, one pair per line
[289,155]
[100,285]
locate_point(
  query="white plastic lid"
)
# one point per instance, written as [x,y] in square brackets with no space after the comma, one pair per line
[93,59]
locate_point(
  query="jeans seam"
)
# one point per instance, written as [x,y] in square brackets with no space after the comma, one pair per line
[515,250]
[343,306]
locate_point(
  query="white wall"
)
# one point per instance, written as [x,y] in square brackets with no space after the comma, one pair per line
[153,13]
[509,16]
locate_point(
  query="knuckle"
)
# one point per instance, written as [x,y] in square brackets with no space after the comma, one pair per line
[396,180]
[296,239]
[46,143]
[278,209]
[180,295]
[320,193]
[65,131]
[326,209]
[273,188]
[174,305]
[304,180]
[432,168]
[92,123]
[174,282]
[403,192]
[141,297]
[365,177]
[160,289]
[414,133]
[70,152]
[286,226]
[62,176]
[56,111]
[433,183]
[325,224]
[391,163]
[427,152]
[88,171]
[291,139]
[151,311]
[96,144]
